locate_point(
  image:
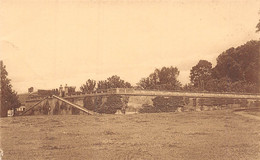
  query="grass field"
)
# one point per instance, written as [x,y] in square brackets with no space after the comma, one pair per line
[254,111]
[189,135]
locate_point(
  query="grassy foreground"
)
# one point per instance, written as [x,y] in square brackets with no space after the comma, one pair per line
[190,135]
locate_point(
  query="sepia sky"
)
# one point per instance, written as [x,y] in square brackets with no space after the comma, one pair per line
[45,43]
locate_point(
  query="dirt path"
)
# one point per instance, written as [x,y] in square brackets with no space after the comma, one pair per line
[242,113]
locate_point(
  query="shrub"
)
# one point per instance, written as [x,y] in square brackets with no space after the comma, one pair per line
[88,103]
[146,108]
[112,104]
[167,104]
[97,104]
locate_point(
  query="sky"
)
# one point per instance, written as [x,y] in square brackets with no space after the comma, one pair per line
[45,43]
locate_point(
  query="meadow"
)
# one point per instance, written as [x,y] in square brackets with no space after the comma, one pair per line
[219,134]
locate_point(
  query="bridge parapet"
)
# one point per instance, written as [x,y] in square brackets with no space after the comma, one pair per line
[137,99]
[133,92]
[136,92]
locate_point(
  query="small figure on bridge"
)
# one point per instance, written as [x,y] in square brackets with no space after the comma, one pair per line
[60,91]
[66,90]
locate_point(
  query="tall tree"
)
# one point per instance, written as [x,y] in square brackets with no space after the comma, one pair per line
[9,98]
[239,64]
[237,70]
[200,74]
[113,82]
[103,84]
[162,79]
[258,26]
[89,86]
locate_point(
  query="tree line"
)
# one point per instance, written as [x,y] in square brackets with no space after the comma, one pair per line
[237,70]
[111,82]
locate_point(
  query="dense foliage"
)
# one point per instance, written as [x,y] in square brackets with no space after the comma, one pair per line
[111,82]
[237,70]
[239,64]
[89,86]
[110,106]
[9,98]
[258,26]
[168,104]
[201,73]
[162,79]
[163,104]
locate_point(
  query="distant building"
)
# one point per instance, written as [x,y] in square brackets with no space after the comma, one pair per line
[61,93]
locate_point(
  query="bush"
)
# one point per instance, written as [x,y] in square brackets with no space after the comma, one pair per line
[167,104]
[146,108]
[112,104]
[88,103]
[97,104]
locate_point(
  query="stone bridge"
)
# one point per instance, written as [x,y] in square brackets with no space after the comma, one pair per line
[74,104]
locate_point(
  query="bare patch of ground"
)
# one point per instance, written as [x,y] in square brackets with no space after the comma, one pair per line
[189,135]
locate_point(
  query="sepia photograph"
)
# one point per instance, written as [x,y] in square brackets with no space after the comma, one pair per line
[130,79]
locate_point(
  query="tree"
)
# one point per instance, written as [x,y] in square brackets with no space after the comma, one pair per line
[167,104]
[113,82]
[237,70]
[162,79]
[228,66]
[145,83]
[200,74]
[258,26]
[88,103]
[30,90]
[116,82]
[9,98]
[89,86]
[226,85]
[110,106]
[102,85]
[239,64]
[113,104]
